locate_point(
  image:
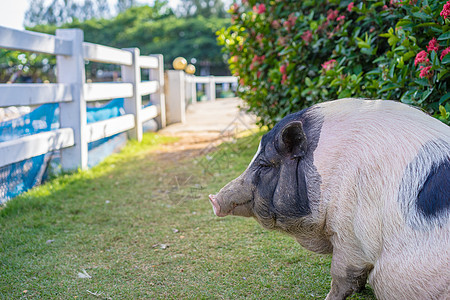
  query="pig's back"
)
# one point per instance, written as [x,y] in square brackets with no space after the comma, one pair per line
[375,158]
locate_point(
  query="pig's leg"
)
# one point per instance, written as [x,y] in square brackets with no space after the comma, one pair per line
[346,278]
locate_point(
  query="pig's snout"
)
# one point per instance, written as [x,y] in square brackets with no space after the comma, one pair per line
[216,206]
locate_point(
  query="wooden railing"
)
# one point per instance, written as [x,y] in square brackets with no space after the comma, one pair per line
[72,93]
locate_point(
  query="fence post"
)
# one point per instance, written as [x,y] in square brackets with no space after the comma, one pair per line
[133,105]
[159,98]
[191,93]
[71,70]
[211,89]
[188,87]
[176,99]
[193,90]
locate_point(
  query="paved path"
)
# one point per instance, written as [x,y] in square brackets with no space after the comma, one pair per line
[207,125]
[213,118]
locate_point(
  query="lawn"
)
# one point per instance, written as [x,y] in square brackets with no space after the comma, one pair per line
[140,226]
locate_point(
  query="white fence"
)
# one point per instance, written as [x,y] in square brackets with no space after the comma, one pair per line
[182,87]
[72,93]
[210,83]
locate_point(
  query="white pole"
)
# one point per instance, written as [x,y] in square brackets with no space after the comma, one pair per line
[194,90]
[133,105]
[159,98]
[211,89]
[70,70]
[188,87]
[176,99]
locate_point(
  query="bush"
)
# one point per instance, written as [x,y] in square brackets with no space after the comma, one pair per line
[292,54]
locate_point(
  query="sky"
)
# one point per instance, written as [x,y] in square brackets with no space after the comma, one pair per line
[12,11]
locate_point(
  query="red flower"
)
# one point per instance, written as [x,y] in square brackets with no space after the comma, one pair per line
[396,2]
[284,79]
[283,69]
[234,7]
[258,74]
[445,52]
[241,81]
[421,57]
[292,18]
[328,65]
[340,18]
[350,6]
[307,36]
[425,72]
[432,45]
[445,10]
[276,24]
[332,14]
[259,37]
[259,9]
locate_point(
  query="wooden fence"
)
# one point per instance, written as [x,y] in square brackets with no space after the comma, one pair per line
[72,93]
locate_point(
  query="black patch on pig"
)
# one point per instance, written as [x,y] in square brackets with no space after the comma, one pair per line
[284,173]
[424,193]
[434,196]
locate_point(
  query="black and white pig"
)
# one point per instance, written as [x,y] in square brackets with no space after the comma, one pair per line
[365,180]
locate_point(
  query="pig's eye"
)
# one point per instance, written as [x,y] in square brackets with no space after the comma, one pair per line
[265,164]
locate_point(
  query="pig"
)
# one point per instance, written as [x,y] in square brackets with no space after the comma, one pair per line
[367,181]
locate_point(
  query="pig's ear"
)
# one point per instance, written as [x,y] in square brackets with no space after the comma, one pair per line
[292,139]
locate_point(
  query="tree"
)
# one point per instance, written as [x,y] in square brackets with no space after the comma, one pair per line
[123,5]
[204,8]
[57,12]
[155,30]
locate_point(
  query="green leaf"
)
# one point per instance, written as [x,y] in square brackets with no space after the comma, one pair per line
[421,15]
[426,95]
[386,35]
[403,22]
[444,98]
[308,81]
[427,24]
[422,82]
[345,94]
[393,40]
[442,111]
[444,36]
[446,59]
[400,62]
[443,73]
[388,87]
[408,55]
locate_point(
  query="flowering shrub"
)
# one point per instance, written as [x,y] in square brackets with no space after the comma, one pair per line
[292,54]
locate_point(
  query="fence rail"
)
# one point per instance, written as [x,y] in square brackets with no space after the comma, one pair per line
[72,92]
[210,85]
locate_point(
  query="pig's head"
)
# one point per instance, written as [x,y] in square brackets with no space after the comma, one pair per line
[274,187]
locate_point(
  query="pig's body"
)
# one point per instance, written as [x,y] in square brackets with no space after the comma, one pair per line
[368,181]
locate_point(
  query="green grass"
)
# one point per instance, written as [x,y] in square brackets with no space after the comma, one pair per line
[142,228]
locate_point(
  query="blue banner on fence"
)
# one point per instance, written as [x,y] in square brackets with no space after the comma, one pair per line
[22,176]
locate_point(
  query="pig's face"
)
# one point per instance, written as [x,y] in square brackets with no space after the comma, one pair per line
[273,188]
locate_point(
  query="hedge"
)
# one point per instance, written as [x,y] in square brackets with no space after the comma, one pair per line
[292,54]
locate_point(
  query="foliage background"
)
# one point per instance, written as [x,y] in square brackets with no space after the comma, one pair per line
[292,54]
[156,29]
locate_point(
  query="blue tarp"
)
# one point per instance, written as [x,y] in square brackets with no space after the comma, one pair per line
[22,176]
